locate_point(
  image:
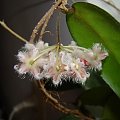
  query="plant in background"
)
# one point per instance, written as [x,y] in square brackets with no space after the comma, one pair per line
[89,26]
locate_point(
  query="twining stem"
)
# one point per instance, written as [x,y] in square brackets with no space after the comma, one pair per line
[12,32]
[44,18]
[59,106]
[45,25]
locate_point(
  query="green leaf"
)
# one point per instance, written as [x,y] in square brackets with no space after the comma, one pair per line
[89,24]
[111,109]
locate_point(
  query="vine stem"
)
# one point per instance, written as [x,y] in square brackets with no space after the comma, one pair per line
[45,19]
[12,32]
[45,25]
[56,104]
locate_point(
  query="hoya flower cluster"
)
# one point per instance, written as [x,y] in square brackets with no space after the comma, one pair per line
[59,62]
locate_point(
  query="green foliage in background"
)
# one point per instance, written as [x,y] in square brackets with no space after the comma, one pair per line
[89,24]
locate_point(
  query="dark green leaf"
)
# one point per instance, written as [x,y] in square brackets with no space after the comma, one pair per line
[96,96]
[69,117]
[111,110]
[89,24]
[95,80]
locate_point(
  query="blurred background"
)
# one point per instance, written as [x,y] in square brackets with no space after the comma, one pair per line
[22,16]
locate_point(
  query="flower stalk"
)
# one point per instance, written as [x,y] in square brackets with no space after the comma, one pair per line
[12,32]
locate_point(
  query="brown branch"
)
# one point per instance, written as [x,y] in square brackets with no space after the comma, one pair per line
[44,18]
[59,106]
[45,25]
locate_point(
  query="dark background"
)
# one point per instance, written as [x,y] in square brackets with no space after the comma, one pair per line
[22,16]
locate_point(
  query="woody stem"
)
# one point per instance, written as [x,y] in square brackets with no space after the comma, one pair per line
[44,21]
[53,101]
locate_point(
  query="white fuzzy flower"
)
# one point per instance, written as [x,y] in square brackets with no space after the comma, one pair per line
[93,57]
[73,43]
[100,53]
[41,45]
[66,58]
[29,46]
[27,63]
[79,72]
[60,62]
[97,55]
[55,69]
